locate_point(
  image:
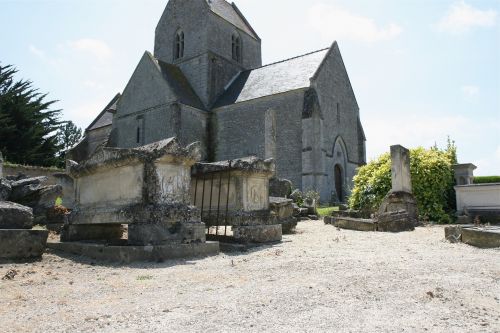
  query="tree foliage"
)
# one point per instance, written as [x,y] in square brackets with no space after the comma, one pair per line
[69,135]
[432,181]
[28,126]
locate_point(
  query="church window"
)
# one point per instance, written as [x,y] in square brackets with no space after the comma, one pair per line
[138,140]
[236,47]
[179,45]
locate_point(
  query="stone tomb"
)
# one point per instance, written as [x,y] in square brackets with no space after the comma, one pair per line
[398,211]
[479,236]
[236,194]
[145,189]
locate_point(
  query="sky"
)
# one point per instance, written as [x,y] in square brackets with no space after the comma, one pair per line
[422,70]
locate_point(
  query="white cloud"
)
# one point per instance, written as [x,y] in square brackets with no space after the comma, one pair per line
[96,47]
[462,17]
[93,84]
[470,90]
[36,51]
[337,23]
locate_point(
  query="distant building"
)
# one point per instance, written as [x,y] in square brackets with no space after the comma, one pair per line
[205,82]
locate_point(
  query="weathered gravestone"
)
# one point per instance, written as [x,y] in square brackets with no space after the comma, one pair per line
[399,211]
[146,189]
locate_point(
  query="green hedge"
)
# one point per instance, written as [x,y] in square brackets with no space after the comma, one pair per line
[432,181]
[487,180]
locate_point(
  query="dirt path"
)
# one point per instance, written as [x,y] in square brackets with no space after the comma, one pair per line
[318,280]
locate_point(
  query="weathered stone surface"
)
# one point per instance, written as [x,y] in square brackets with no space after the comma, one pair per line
[1,165]
[355,224]
[45,199]
[482,237]
[75,233]
[395,222]
[157,234]
[281,188]
[130,254]
[453,234]
[22,244]
[400,169]
[258,234]
[5,189]
[15,216]
[25,187]
[284,211]
[399,201]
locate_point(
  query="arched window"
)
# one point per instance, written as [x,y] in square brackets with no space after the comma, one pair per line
[236,47]
[179,45]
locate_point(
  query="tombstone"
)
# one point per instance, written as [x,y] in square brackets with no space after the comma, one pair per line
[400,199]
[235,194]
[464,174]
[400,169]
[145,189]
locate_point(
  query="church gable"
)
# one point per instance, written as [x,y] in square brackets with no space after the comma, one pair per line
[154,84]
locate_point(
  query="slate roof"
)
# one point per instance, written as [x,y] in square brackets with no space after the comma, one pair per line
[180,85]
[105,118]
[273,79]
[230,13]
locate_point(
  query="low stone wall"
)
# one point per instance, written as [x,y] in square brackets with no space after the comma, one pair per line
[478,197]
[31,172]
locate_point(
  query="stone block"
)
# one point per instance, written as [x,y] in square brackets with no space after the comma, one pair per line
[281,188]
[453,234]
[22,244]
[482,237]
[75,233]
[15,216]
[5,189]
[157,234]
[398,221]
[25,187]
[130,254]
[400,201]
[355,224]
[258,233]
[400,169]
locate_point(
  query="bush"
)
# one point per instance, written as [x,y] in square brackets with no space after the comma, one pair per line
[432,181]
[487,180]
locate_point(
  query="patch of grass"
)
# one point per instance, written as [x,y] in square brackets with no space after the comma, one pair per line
[144,278]
[487,180]
[326,211]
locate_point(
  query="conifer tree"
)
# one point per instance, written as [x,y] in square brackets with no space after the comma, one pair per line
[28,125]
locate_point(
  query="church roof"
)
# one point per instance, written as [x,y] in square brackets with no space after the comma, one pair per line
[105,118]
[180,85]
[231,13]
[273,79]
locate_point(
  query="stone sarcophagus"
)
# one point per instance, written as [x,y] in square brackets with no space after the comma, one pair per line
[146,188]
[236,194]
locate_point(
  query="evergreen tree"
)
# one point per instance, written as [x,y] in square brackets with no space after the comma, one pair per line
[69,135]
[28,126]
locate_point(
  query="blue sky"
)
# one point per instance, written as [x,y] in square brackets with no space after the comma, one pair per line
[421,69]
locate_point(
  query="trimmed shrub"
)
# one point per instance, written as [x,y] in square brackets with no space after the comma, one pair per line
[487,180]
[432,181]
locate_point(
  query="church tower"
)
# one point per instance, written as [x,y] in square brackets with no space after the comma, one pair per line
[210,41]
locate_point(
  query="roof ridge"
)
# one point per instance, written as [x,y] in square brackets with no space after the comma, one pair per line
[292,58]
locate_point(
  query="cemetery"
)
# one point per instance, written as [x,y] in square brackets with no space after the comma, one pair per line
[217,193]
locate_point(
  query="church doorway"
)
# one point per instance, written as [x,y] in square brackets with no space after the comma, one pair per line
[338,183]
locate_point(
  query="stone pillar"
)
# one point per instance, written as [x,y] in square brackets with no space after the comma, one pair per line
[400,169]
[464,173]
[270,134]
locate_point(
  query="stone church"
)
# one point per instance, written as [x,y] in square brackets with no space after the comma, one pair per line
[206,82]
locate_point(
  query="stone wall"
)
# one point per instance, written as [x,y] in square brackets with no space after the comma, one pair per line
[340,113]
[31,172]
[240,131]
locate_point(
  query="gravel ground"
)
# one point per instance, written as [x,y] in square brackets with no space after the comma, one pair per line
[318,280]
